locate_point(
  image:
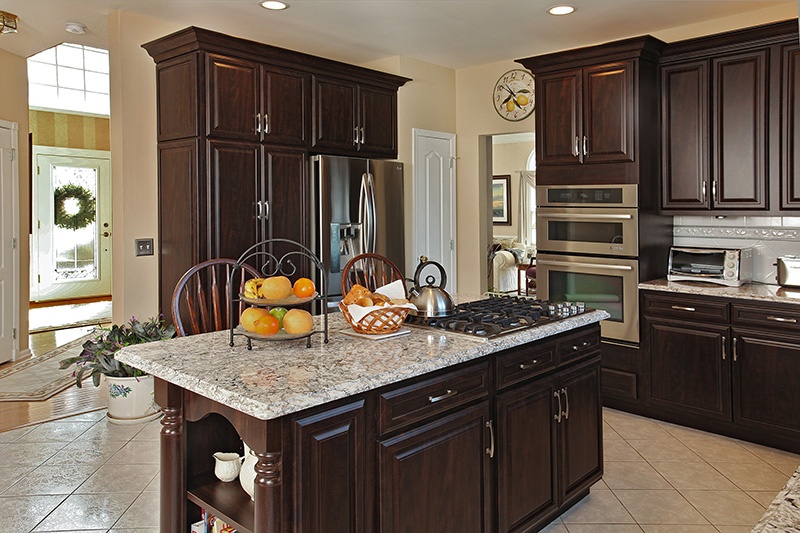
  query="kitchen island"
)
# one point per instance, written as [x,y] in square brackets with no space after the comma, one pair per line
[429,431]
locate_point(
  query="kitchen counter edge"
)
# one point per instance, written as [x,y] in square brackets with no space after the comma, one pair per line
[750,291]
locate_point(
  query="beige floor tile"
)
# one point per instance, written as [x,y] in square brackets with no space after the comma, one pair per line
[734,529]
[153,530]
[604,528]
[659,507]
[716,449]
[640,429]
[105,430]
[663,450]
[632,475]
[725,507]
[56,431]
[119,478]
[556,526]
[677,528]
[764,497]
[694,475]
[784,461]
[91,416]
[14,434]
[51,480]
[599,507]
[751,476]
[11,474]
[138,452]
[86,452]
[151,431]
[155,485]
[618,449]
[31,454]
[80,512]
[21,513]
[140,513]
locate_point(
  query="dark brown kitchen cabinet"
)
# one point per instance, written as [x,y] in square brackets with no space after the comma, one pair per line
[726,116]
[354,118]
[330,452]
[235,121]
[591,105]
[436,477]
[790,127]
[725,365]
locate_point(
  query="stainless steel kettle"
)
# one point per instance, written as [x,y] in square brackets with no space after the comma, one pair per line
[431,300]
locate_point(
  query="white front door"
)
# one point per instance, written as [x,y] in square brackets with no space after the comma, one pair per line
[9,237]
[435,202]
[71,245]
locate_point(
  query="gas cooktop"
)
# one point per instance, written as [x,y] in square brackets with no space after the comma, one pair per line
[499,315]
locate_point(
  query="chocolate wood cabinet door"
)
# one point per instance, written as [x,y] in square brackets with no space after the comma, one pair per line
[256,102]
[330,469]
[436,477]
[354,119]
[790,130]
[689,367]
[559,118]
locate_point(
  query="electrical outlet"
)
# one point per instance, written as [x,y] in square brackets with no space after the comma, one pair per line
[144,247]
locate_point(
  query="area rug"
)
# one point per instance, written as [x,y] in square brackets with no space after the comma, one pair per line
[68,316]
[39,377]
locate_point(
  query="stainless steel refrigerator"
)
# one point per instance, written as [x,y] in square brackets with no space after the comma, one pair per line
[358,208]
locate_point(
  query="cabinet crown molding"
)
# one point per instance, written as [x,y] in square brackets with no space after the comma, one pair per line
[644,47]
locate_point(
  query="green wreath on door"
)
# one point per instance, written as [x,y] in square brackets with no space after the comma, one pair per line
[86,210]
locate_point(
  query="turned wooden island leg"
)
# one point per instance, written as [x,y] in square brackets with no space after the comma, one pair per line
[173,478]
[268,488]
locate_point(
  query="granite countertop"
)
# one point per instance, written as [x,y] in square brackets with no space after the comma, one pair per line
[750,291]
[783,515]
[281,377]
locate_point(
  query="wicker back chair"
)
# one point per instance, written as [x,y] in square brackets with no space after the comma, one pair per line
[371,271]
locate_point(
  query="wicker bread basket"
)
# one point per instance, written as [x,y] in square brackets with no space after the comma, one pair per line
[379,321]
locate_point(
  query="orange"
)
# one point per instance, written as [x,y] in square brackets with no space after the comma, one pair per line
[303,288]
[276,288]
[298,321]
[250,317]
[267,325]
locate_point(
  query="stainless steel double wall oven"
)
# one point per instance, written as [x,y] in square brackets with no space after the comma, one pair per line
[587,238]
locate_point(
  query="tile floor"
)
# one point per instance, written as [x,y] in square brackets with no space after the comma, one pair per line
[85,474]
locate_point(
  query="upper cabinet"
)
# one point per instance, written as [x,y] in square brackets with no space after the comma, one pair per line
[728,117]
[595,110]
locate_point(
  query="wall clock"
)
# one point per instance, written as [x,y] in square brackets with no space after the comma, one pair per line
[513,95]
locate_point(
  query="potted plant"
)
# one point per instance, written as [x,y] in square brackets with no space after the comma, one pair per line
[130,391]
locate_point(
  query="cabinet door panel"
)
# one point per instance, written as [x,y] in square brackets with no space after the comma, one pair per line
[177,116]
[767,381]
[740,112]
[790,128]
[289,197]
[436,478]
[286,104]
[378,121]
[689,368]
[329,470]
[232,97]
[526,458]
[558,118]
[684,136]
[581,429]
[234,183]
[608,96]
[335,113]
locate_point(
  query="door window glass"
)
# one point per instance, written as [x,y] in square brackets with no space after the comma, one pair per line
[75,243]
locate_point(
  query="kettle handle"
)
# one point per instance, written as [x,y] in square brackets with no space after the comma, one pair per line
[423,262]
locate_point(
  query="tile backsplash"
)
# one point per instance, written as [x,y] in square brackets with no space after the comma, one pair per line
[770,237]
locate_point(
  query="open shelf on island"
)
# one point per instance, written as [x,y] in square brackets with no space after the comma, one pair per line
[228,501]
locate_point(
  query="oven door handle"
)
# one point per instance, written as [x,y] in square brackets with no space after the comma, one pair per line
[589,265]
[577,216]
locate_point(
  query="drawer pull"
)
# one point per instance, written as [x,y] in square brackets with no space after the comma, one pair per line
[448,394]
[557,416]
[584,344]
[735,350]
[781,319]
[566,402]
[723,347]
[681,308]
[490,449]
[523,366]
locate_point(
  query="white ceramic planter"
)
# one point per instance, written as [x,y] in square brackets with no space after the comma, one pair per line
[131,400]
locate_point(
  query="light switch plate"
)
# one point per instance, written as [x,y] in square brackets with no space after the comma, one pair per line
[144,247]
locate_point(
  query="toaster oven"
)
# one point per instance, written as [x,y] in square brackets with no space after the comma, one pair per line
[725,266]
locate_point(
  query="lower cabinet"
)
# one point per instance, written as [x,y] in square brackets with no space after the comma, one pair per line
[725,365]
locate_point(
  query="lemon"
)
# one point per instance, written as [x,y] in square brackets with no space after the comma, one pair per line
[510,105]
[522,100]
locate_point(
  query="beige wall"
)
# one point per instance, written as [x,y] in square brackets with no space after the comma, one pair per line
[14,108]
[68,130]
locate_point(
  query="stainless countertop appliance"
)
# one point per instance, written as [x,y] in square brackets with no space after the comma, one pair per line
[731,267]
[788,271]
[358,208]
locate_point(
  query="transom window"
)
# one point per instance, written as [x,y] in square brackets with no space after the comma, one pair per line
[70,77]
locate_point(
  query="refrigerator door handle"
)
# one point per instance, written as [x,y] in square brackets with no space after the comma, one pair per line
[373,216]
[364,213]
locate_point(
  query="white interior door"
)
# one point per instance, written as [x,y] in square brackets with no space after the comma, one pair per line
[9,237]
[435,201]
[71,256]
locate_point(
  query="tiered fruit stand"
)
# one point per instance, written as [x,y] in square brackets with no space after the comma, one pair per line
[269,264]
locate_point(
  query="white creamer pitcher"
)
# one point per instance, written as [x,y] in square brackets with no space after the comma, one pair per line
[227,465]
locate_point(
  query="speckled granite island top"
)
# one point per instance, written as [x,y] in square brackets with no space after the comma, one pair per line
[750,291]
[281,377]
[783,515]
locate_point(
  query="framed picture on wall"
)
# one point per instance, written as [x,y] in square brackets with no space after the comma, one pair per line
[501,200]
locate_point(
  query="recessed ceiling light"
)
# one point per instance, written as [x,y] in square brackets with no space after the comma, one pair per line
[275,5]
[561,10]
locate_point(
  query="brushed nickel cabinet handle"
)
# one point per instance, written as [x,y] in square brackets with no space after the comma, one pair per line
[447,394]
[557,416]
[566,402]
[735,350]
[781,319]
[362,135]
[704,191]
[585,145]
[490,449]
[682,308]
[524,366]
[266,124]
[576,151]
[258,123]
[723,347]
[714,191]
[355,136]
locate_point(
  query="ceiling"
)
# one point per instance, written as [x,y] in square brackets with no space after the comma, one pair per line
[450,33]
